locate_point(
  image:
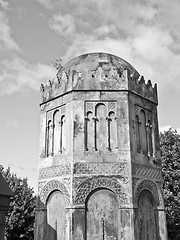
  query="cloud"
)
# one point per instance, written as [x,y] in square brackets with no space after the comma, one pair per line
[18,75]
[46,3]
[63,25]
[6,40]
[145,33]
[4,4]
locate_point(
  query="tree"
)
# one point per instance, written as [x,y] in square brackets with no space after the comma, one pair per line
[21,215]
[170,157]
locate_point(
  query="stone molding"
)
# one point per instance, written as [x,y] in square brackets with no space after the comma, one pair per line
[51,186]
[150,186]
[95,183]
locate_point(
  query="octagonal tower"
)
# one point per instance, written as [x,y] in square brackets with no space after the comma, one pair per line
[99,167]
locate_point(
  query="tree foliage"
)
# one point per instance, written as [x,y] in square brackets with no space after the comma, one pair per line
[170,153]
[21,215]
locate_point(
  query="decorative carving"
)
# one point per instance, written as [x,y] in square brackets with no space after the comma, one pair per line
[100,126]
[51,186]
[89,106]
[101,168]
[77,181]
[55,131]
[145,171]
[152,187]
[111,106]
[101,182]
[55,171]
[40,185]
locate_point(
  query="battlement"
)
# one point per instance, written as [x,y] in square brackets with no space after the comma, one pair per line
[97,72]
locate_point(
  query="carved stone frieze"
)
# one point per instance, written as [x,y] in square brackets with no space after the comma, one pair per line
[101,168]
[52,186]
[145,171]
[55,171]
[92,184]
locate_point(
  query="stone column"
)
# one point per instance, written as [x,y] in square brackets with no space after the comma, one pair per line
[78,224]
[162,224]
[126,223]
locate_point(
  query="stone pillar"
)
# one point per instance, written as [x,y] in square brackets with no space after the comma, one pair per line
[78,223]
[126,224]
[162,223]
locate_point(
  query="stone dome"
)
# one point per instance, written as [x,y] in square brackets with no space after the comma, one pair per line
[96,72]
[91,62]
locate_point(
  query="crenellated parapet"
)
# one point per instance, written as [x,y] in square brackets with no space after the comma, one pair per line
[94,72]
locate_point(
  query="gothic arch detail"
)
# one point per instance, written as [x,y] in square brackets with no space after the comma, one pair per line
[150,186]
[51,186]
[91,184]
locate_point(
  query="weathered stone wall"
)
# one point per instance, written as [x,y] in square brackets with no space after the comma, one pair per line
[99,154]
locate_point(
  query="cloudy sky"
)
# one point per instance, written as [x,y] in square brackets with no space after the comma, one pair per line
[34,33]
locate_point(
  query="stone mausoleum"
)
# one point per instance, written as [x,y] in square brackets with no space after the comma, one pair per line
[99,168]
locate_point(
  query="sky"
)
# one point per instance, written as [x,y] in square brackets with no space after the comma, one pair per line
[35,33]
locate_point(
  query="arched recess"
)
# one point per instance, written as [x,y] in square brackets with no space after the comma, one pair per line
[143,133]
[89,131]
[112,131]
[151,187]
[92,184]
[56,131]
[63,134]
[49,135]
[102,215]
[51,186]
[137,123]
[146,218]
[56,216]
[100,127]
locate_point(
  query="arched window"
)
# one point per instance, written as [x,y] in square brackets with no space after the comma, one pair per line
[56,131]
[143,133]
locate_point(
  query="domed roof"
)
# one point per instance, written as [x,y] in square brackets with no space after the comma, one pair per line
[91,62]
[97,72]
